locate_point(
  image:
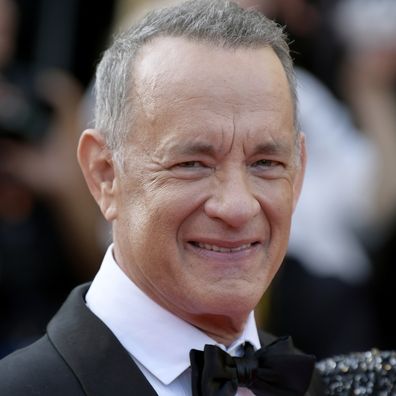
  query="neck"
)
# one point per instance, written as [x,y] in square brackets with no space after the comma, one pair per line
[220,328]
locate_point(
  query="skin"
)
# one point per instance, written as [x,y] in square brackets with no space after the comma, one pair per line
[201,206]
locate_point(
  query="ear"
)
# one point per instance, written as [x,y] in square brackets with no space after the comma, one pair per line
[300,171]
[97,166]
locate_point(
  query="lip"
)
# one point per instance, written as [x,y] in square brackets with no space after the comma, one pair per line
[224,250]
[224,243]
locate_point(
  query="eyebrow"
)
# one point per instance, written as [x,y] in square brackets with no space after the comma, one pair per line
[194,148]
[273,148]
[203,148]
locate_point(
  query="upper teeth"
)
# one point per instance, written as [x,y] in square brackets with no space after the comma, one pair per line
[222,249]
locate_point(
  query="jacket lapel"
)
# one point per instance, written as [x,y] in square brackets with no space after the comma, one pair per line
[92,352]
[99,361]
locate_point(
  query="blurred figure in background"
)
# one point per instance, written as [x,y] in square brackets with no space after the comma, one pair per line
[368,82]
[48,226]
[327,284]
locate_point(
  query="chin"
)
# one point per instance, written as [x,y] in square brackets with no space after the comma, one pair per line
[233,302]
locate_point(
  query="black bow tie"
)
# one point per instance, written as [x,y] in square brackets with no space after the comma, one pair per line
[275,370]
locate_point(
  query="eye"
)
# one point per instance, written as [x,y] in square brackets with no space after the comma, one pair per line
[190,169]
[267,168]
[265,163]
[190,164]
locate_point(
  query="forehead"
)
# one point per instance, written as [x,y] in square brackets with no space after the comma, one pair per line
[181,82]
[175,62]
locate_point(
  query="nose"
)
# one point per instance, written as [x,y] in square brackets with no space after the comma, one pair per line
[232,201]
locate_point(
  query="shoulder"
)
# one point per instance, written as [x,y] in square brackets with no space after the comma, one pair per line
[37,370]
[266,338]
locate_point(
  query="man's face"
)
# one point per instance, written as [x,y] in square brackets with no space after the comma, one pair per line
[205,197]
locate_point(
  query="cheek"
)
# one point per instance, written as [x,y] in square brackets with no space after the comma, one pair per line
[277,205]
[174,202]
[276,200]
[155,213]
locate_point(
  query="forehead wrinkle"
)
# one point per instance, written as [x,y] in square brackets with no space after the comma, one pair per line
[233,132]
[151,101]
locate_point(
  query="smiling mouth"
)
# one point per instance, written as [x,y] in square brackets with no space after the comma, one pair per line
[221,249]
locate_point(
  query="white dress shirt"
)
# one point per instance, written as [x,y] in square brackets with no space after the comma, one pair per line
[158,341]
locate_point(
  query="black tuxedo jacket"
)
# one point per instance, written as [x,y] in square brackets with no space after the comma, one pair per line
[79,355]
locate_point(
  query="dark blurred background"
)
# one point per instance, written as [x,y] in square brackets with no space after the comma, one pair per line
[334,293]
[48,223]
[65,34]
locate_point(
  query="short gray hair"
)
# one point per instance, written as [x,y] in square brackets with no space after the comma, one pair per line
[217,22]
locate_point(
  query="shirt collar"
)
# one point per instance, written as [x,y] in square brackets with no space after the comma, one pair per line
[158,339]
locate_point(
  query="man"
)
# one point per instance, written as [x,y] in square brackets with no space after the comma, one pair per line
[197,163]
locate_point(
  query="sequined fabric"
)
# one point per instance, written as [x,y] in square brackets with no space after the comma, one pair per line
[363,373]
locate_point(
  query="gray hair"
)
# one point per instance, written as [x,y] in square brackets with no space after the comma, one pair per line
[220,23]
